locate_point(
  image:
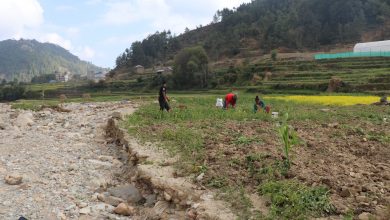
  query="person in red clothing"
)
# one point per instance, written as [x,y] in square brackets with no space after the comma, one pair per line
[230,99]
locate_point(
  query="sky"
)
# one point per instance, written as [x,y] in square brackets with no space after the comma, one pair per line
[99,30]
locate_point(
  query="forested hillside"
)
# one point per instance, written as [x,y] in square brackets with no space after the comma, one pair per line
[264,25]
[24,59]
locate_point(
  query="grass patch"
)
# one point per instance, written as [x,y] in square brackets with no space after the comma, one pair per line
[293,200]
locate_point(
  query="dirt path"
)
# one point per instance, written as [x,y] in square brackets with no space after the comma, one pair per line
[63,160]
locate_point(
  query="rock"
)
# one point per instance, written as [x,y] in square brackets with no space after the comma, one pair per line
[362,199]
[150,200]
[365,216]
[167,197]
[333,125]
[327,182]
[70,207]
[191,214]
[3,126]
[160,208]
[116,115]
[13,179]
[85,211]
[345,192]
[128,193]
[82,205]
[124,209]
[24,120]
[200,177]
[73,167]
[340,206]
[111,200]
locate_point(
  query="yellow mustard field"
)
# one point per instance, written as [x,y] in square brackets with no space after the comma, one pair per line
[330,100]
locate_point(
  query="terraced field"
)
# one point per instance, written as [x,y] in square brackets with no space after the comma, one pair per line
[359,75]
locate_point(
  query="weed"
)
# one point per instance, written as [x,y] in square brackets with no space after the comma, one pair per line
[243,141]
[218,182]
[293,200]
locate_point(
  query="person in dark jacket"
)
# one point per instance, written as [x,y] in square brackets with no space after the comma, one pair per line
[163,98]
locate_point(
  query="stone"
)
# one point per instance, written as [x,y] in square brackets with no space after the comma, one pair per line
[365,216]
[70,207]
[191,214]
[362,199]
[160,208]
[200,177]
[128,193]
[3,126]
[82,204]
[150,200]
[345,192]
[111,200]
[167,197]
[73,167]
[101,207]
[13,179]
[124,209]
[85,211]
[116,115]
[24,120]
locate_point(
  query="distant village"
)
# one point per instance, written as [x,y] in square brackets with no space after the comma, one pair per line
[68,76]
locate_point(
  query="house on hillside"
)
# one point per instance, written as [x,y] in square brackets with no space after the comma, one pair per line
[164,70]
[63,76]
[376,46]
[139,69]
[100,76]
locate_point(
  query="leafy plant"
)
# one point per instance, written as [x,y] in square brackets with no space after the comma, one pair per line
[243,140]
[294,200]
[289,138]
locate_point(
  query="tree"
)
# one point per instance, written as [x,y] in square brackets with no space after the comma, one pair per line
[274,55]
[191,68]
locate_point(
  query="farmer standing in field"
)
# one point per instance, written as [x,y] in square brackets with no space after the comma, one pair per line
[163,98]
[230,99]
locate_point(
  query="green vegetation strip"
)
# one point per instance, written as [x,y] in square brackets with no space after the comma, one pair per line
[195,129]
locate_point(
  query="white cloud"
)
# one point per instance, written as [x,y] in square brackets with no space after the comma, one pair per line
[72,31]
[55,38]
[86,53]
[18,15]
[125,12]
[65,8]
[164,14]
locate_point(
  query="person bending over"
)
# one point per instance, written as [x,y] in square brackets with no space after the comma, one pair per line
[230,100]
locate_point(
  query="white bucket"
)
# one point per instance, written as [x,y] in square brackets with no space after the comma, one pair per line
[219,103]
[275,114]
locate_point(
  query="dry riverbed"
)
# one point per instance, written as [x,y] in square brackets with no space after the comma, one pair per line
[52,164]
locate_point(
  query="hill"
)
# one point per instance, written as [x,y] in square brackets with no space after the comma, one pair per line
[25,59]
[256,28]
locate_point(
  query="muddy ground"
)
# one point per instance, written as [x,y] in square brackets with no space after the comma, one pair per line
[355,168]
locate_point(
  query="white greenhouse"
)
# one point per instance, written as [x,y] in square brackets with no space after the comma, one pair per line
[377,46]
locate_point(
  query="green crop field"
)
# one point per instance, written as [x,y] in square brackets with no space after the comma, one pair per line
[241,152]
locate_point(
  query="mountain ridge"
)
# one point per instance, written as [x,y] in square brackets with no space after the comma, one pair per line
[24,59]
